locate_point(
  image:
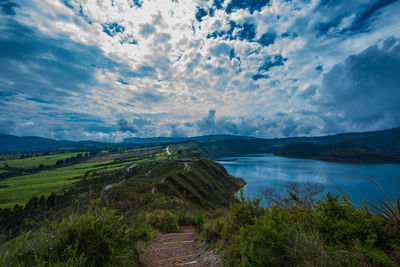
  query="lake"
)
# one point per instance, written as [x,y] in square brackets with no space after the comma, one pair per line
[358,181]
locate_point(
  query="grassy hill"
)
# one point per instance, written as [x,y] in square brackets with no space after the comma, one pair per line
[188,187]
[110,209]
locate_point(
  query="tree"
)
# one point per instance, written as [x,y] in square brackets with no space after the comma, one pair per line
[42,202]
[292,194]
[51,201]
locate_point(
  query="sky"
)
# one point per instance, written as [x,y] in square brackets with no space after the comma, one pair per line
[111,69]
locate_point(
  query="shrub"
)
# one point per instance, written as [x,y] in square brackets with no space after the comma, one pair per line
[333,232]
[164,220]
[389,210]
[96,238]
[198,222]
[213,230]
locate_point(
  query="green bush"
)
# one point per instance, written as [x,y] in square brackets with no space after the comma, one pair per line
[331,233]
[96,238]
[144,232]
[198,222]
[164,220]
[213,230]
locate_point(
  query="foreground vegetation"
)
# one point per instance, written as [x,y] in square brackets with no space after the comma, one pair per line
[331,232]
[94,225]
[98,237]
[101,213]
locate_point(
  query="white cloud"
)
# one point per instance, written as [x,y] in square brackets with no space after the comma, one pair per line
[164,53]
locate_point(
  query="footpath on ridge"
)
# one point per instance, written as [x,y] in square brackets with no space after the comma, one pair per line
[178,249]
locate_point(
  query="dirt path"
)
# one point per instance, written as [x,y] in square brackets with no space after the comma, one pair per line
[178,249]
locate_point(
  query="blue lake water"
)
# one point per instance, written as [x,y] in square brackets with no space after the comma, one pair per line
[358,181]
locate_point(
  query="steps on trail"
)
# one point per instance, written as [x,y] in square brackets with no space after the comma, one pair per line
[176,249]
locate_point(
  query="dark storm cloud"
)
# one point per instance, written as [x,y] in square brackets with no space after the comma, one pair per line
[211,125]
[39,65]
[137,126]
[365,14]
[364,91]
[125,126]
[363,20]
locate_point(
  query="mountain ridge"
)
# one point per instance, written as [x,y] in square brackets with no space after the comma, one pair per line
[384,140]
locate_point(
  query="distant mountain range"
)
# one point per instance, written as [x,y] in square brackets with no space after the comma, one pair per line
[170,140]
[374,146]
[13,143]
[346,150]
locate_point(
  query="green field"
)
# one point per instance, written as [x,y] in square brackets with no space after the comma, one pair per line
[19,189]
[34,162]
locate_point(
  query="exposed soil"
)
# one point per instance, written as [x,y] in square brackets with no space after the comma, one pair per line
[120,156]
[178,249]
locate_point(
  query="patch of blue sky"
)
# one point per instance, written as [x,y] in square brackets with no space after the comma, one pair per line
[112,29]
[250,5]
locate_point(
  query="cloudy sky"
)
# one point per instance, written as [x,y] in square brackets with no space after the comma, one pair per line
[110,69]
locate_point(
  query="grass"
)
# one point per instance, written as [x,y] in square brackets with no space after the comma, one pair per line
[99,237]
[331,232]
[19,189]
[34,162]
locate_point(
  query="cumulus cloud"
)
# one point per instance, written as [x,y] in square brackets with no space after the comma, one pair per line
[364,91]
[125,126]
[264,68]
